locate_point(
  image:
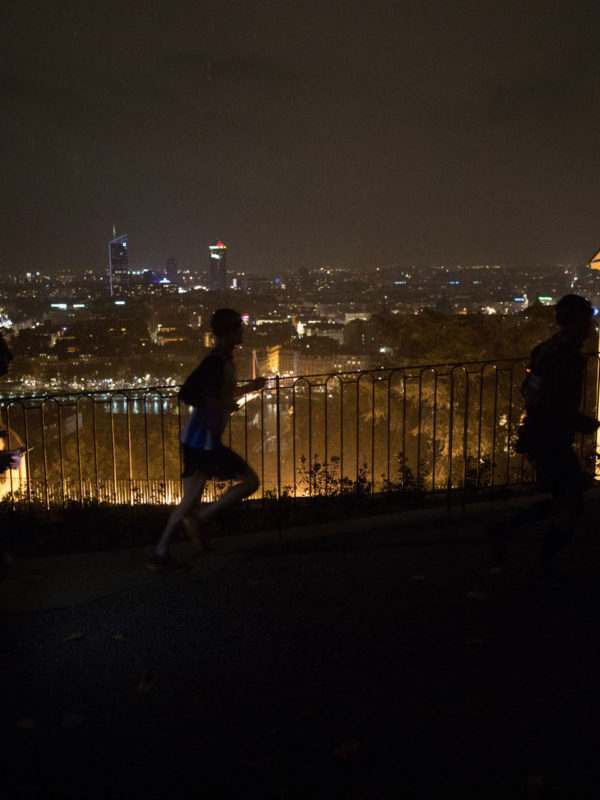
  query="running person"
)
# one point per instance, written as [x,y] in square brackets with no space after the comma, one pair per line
[552,393]
[211,390]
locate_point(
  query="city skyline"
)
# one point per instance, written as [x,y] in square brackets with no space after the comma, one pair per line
[332,133]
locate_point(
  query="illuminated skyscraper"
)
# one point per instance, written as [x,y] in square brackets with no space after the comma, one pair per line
[217,268]
[118,263]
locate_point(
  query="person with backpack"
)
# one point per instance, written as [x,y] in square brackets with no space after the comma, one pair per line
[211,390]
[552,393]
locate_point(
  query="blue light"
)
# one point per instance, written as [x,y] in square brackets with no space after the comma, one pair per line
[519,299]
[595,310]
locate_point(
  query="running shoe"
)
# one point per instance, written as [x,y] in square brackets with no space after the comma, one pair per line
[166,563]
[546,578]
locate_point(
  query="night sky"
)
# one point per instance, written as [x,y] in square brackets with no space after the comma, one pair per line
[302,133]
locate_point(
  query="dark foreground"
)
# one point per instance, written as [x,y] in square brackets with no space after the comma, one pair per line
[353,667]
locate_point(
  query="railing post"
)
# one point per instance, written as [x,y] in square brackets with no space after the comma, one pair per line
[278,423]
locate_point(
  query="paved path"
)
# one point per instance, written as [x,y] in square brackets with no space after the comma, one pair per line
[376,663]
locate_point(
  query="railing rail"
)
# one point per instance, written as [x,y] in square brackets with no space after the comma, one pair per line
[431,428]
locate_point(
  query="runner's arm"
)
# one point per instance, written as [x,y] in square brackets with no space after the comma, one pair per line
[252,386]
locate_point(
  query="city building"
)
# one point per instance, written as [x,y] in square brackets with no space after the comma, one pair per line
[118,263]
[171,270]
[217,267]
[290,360]
[172,334]
[261,285]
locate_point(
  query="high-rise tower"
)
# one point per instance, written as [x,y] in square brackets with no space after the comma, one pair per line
[217,268]
[118,263]
[171,270]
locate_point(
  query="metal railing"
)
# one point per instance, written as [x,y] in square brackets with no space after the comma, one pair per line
[434,428]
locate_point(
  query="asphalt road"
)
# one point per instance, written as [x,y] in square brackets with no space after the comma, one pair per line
[358,666]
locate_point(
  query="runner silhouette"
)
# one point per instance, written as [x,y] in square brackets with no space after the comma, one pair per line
[211,390]
[552,394]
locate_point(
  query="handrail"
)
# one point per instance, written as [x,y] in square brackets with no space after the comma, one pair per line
[402,430]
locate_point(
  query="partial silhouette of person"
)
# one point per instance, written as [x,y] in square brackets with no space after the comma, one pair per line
[211,390]
[552,393]
[9,459]
[6,358]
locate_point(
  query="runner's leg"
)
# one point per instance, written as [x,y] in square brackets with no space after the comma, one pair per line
[559,531]
[568,496]
[248,485]
[193,486]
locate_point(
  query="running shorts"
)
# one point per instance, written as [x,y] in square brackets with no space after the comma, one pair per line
[220,463]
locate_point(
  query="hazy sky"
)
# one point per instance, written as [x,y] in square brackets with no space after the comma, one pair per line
[301,132]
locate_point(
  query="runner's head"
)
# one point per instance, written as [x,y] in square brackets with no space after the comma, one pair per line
[227,327]
[574,315]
